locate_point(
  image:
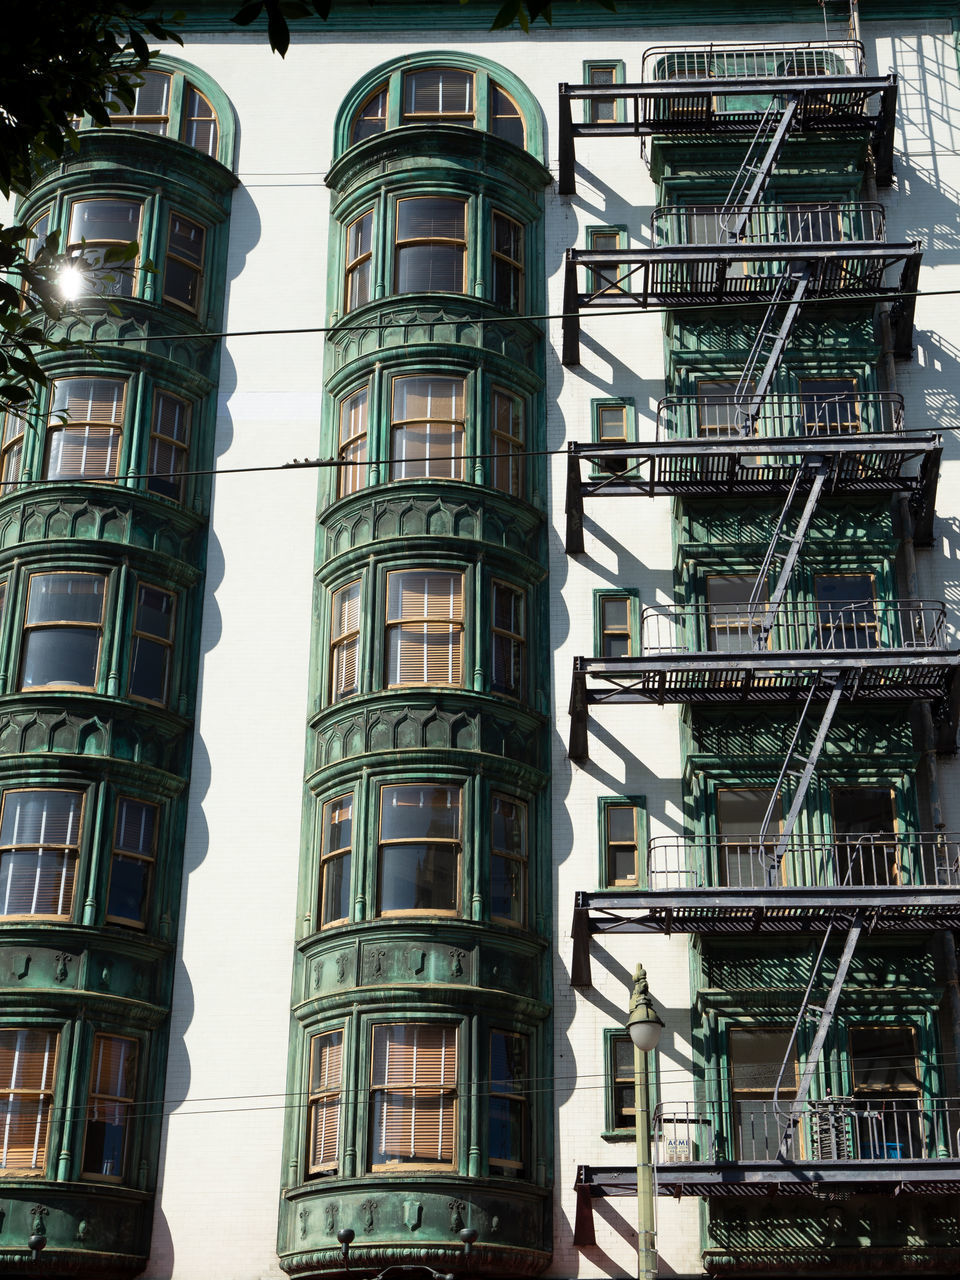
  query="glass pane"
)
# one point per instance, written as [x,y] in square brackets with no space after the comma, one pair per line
[129,888]
[418,877]
[756,1057]
[40,818]
[884,1058]
[372,116]
[135,826]
[62,656]
[201,129]
[419,812]
[438,91]
[82,453]
[336,889]
[431,218]
[620,822]
[181,283]
[616,613]
[65,597]
[148,676]
[506,889]
[430,268]
[154,612]
[509,826]
[98,220]
[505,120]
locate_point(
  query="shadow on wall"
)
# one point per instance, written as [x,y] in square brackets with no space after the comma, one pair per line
[245,233]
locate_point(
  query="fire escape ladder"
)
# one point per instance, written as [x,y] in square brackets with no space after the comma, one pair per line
[825,1018]
[753,176]
[770,343]
[819,469]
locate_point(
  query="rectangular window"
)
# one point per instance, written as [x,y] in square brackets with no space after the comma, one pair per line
[507,263]
[28,1058]
[622,1077]
[184,266]
[132,862]
[603,110]
[105,233]
[169,446]
[509,640]
[345,641]
[755,1059]
[31,250]
[110,1100]
[62,631]
[336,847]
[617,626]
[831,406]
[352,447]
[84,429]
[733,624]
[431,245]
[620,1104]
[611,277]
[424,627]
[39,847]
[420,846]
[745,861]
[326,1074]
[508,1106]
[413,1096]
[11,451]
[152,654]
[508,443]
[438,93]
[508,861]
[846,611]
[150,112]
[426,429]
[622,845]
[359,261]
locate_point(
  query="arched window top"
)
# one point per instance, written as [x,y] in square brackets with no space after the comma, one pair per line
[441,88]
[177,100]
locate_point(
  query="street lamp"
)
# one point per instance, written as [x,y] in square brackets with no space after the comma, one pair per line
[644,1025]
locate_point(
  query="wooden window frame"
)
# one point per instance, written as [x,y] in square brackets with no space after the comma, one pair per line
[592,107]
[609,846]
[68,852]
[40,1097]
[756,1093]
[324,1102]
[519,1097]
[502,262]
[809,399]
[493,88]
[437,1087]
[166,644]
[619,1081]
[515,865]
[195,267]
[508,448]
[433,455]
[358,116]
[135,119]
[719,624]
[442,242]
[146,858]
[32,628]
[11,450]
[355,261]
[117,1102]
[597,284]
[124,274]
[330,856]
[60,425]
[440,116]
[718,430]
[514,642]
[865,622]
[450,848]
[192,121]
[352,447]
[431,624]
[344,637]
[179,450]
[728,842]
[601,630]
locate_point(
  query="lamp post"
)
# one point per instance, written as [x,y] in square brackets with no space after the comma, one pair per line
[644,1025]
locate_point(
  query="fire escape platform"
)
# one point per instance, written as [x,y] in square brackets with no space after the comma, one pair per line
[712,275]
[940,1176]
[696,107]
[863,464]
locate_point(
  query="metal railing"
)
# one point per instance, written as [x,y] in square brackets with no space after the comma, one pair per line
[753,61]
[814,413]
[865,1128]
[861,626]
[826,223]
[889,860]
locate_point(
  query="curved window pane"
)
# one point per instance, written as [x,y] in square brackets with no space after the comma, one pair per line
[505,120]
[372,116]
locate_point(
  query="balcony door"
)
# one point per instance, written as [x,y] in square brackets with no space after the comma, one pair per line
[743,861]
[830,406]
[846,612]
[886,1089]
[756,1055]
[864,829]
[732,625]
